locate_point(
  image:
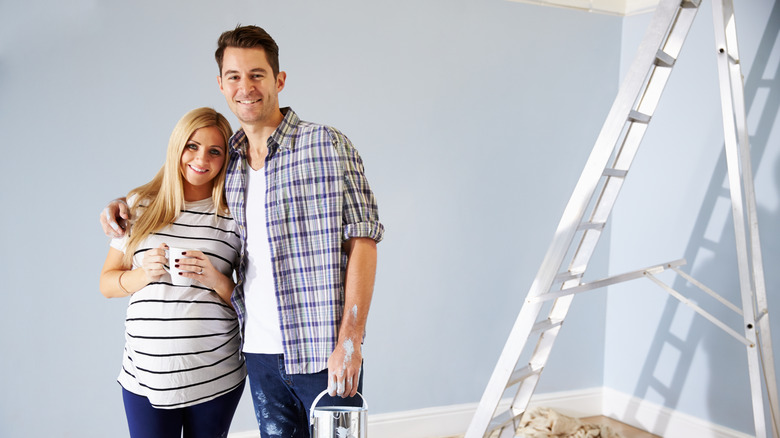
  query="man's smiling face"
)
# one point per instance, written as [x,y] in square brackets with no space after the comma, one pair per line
[249,86]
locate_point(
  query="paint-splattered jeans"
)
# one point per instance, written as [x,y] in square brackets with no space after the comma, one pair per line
[282,401]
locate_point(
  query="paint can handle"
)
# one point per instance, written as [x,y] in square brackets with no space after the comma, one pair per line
[314,403]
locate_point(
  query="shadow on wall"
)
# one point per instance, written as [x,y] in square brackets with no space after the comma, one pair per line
[681,333]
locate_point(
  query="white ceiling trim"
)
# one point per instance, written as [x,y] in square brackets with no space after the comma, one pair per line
[611,7]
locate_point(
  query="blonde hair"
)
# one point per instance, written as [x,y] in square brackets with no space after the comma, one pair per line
[164,194]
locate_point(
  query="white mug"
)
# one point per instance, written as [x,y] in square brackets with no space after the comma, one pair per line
[173,254]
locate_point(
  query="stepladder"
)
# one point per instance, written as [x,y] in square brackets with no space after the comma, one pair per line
[561,275]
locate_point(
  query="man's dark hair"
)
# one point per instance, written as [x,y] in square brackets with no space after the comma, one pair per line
[248,37]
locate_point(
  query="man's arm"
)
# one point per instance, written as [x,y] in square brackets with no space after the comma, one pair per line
[344,364]
[114,218]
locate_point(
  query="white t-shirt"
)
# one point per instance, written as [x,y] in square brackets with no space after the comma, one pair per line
[262,331]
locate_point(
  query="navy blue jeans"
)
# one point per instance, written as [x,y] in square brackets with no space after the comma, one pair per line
[282,401]
[209,419]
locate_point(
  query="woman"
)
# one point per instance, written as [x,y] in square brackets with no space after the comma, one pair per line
[182,368]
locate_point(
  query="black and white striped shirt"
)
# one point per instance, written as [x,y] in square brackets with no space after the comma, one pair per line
[182,342]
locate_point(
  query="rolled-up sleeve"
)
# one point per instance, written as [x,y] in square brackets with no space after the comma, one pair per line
[360,210]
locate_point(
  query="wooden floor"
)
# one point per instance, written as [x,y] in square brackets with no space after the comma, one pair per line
[623,429]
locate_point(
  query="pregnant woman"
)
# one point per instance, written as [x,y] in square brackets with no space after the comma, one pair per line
[182,371]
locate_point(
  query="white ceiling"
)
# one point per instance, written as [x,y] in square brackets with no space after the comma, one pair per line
[611,7]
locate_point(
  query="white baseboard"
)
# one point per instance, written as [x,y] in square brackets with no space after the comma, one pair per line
[660,420]
[448,421]
[453,420]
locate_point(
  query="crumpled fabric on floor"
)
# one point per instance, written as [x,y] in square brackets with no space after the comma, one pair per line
[547,423]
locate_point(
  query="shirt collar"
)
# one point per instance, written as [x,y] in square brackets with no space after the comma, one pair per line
[282,137]
[284,134]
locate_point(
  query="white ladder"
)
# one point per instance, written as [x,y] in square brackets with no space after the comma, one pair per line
[595,194]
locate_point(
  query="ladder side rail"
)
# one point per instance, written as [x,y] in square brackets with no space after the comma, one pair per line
[505,366]
[605,143]
[770,380]
[670,51]
[642,84]
[728,109]
[541,354]
[628,150]
[646,103]
[608,196]
[762,306]
[756,261]
[614,179]
[528,377]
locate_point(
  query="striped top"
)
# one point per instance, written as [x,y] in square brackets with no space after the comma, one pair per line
[317,197]
[182,343]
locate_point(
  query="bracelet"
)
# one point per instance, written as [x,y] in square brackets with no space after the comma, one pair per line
[120,283]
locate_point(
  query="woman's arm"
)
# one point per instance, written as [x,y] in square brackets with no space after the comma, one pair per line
[119,280]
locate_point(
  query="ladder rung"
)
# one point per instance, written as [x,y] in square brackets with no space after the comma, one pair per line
[566,276]
[501,420]
[592,226]
[547,324]
[636,116]
[615,173]
[664,59]
[523,373]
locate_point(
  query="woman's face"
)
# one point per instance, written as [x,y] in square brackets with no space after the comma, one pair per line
[201,162]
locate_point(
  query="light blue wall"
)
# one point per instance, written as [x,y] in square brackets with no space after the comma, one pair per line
[676,205]
[473,118]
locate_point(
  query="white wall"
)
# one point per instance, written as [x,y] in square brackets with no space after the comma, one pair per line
[676,205]
[473,119]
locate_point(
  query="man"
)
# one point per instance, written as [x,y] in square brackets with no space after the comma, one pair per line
[309,226]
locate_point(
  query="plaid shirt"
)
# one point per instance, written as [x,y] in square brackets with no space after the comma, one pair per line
[316,198]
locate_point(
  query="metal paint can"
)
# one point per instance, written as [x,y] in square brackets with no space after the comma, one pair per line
[338,421]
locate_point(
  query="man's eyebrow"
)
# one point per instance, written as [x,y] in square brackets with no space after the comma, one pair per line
[254,70]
